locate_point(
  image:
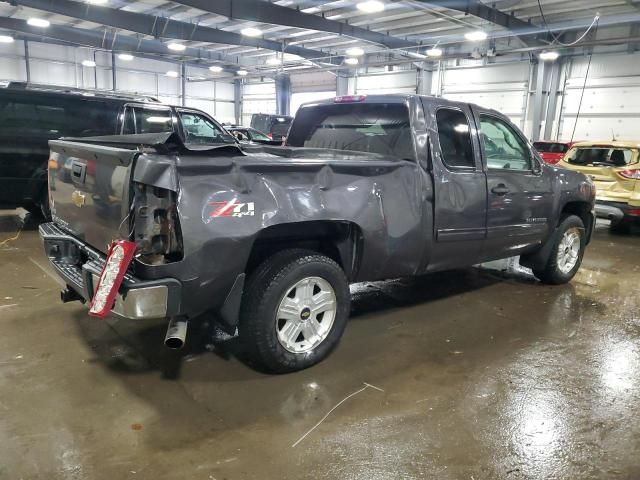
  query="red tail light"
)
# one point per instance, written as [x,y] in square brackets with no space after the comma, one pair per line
[630,174]
[120,256]
[270,135]
[349,98]
[634,212]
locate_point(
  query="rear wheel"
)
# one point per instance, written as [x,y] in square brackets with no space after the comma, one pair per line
[621,227]
[295,308]
[566,254]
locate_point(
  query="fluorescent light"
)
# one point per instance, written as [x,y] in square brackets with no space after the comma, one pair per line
[355,51]
[6,39]
[38,22]
[172,74]
[371,6]
[88,63]
[126,57]
[215,68]
[251,32]
[351,61]
[97,2]
[273,61]
[476,36]
[549,56]
[176,47]
[434,52]
[242,73]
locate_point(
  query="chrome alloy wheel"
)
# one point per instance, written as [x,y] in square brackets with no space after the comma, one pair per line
[306,314]
[569,250]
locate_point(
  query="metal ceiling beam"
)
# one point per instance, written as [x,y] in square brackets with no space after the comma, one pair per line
[265,12]
[111,41]
[159,27]
[519,27]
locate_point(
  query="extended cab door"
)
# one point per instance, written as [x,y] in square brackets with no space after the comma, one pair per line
[519,196]
[460,185]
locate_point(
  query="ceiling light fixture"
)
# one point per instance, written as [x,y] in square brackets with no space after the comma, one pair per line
[354,51]
[549,56]
[370,6]
[251,32]
[215,68]
[176,47]
[172,74]
[476,36]
[88,63]
[6,39]
[242,73]
[351,61]
[38,22]
[434,52]
[126,57]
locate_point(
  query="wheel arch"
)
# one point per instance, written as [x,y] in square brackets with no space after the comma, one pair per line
[340,240]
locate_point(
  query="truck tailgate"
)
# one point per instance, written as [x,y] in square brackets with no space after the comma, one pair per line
[90,188]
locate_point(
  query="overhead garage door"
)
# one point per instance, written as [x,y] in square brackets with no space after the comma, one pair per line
[611,101]
[400,82]
[501,87]
[258,98]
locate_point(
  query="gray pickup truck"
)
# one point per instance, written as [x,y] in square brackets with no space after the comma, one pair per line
[267,242]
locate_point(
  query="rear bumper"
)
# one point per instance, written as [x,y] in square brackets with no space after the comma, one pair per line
[615,211]
[80,266]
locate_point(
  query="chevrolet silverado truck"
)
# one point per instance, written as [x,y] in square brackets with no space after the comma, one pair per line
[267,241]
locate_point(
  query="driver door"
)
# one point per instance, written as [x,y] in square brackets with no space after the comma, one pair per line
[519,193]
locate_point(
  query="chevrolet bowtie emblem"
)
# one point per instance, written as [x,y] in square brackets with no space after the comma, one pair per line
[78,198]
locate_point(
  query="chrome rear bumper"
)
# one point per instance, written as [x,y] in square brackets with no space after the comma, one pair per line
[80,267]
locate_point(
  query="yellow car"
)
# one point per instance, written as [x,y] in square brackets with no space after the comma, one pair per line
[614,168]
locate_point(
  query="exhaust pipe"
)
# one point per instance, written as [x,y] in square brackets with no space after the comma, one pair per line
[176,334]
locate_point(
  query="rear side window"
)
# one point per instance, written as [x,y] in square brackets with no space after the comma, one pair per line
[374,128]
[454,136]
[54,117]
[601,156]
[550,147]
[147,120]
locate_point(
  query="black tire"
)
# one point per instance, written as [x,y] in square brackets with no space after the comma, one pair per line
[266,288]
[551,273]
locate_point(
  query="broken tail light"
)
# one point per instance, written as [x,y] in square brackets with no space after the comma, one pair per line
[119,257]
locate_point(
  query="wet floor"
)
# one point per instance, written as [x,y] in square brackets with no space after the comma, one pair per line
[475,374]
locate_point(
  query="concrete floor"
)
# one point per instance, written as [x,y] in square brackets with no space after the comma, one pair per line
[485,375]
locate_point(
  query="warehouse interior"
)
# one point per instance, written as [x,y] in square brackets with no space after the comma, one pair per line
[479,373]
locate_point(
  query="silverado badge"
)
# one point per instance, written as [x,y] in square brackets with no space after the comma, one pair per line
[78,198]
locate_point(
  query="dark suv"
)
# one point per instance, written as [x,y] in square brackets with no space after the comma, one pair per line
[32,115]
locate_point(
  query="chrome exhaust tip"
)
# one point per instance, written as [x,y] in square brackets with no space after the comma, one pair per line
[176,334]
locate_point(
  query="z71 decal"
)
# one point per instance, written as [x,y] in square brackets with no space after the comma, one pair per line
[230,208]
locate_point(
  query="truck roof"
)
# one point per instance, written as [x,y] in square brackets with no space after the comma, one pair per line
[71,91]
[608,143]
[386,98]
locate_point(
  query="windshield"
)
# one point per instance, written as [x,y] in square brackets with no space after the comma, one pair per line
[257,135]
[374,128]
[602,156]
[550,147]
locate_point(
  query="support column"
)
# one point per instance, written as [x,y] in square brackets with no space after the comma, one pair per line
[538,102]
[552,99]
[237,100]
[283,94]
[113,71]
[27,66]
[183,78]
[424,80]
[342,85]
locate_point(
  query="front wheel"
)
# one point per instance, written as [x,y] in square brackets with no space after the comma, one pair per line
[566,254]
[295,308]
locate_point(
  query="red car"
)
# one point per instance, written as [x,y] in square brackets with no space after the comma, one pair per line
[552,152]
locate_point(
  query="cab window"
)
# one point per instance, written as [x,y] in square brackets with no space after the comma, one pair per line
[503,147]
[147,120]
[199,129]
[454,136]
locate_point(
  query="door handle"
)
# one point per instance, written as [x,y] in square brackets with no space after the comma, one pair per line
[500,189]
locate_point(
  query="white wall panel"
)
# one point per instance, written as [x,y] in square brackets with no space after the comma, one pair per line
[225,91]
[225,112]
[313,82]
[299,98]
[401,82]
[258,98]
